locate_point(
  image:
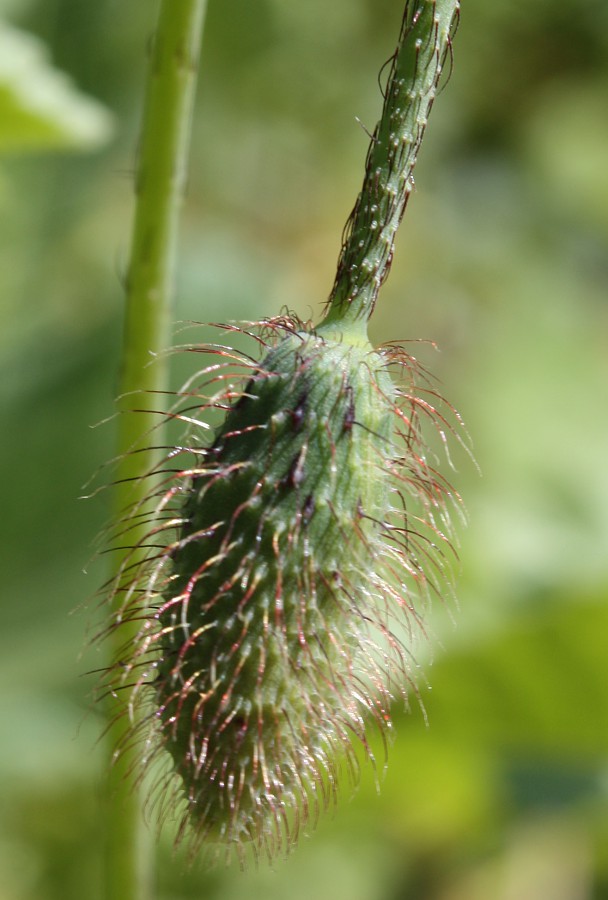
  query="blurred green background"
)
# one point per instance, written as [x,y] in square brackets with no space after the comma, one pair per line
[500,789]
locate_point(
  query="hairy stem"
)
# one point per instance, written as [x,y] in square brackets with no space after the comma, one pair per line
[367,250]
[159,187]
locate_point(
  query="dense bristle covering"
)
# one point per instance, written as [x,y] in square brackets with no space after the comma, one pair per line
[298,545]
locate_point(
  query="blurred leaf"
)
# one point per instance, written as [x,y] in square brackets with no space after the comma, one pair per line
[39,107]
[537,687]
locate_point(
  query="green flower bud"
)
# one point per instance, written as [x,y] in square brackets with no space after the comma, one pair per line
[272,637]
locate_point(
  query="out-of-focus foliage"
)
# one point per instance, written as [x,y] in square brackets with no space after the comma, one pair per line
[39,109]
[501,789]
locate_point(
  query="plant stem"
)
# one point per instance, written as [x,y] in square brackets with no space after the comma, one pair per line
[159,187]
[367,251]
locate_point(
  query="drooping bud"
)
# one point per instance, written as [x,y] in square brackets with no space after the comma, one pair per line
[303,538]
[288,556]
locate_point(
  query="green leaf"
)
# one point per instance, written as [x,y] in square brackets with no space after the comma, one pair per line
[40,109]
[537,687]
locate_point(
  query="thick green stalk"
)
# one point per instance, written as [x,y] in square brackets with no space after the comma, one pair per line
[367,250]
[159,187]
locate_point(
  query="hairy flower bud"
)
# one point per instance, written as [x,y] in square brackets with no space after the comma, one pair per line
[275,612]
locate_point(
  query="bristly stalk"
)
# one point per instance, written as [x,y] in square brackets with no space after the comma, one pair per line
[159,187]
[367,250]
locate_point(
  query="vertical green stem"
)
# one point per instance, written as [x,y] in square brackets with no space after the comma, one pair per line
[159,187]
[367,250]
